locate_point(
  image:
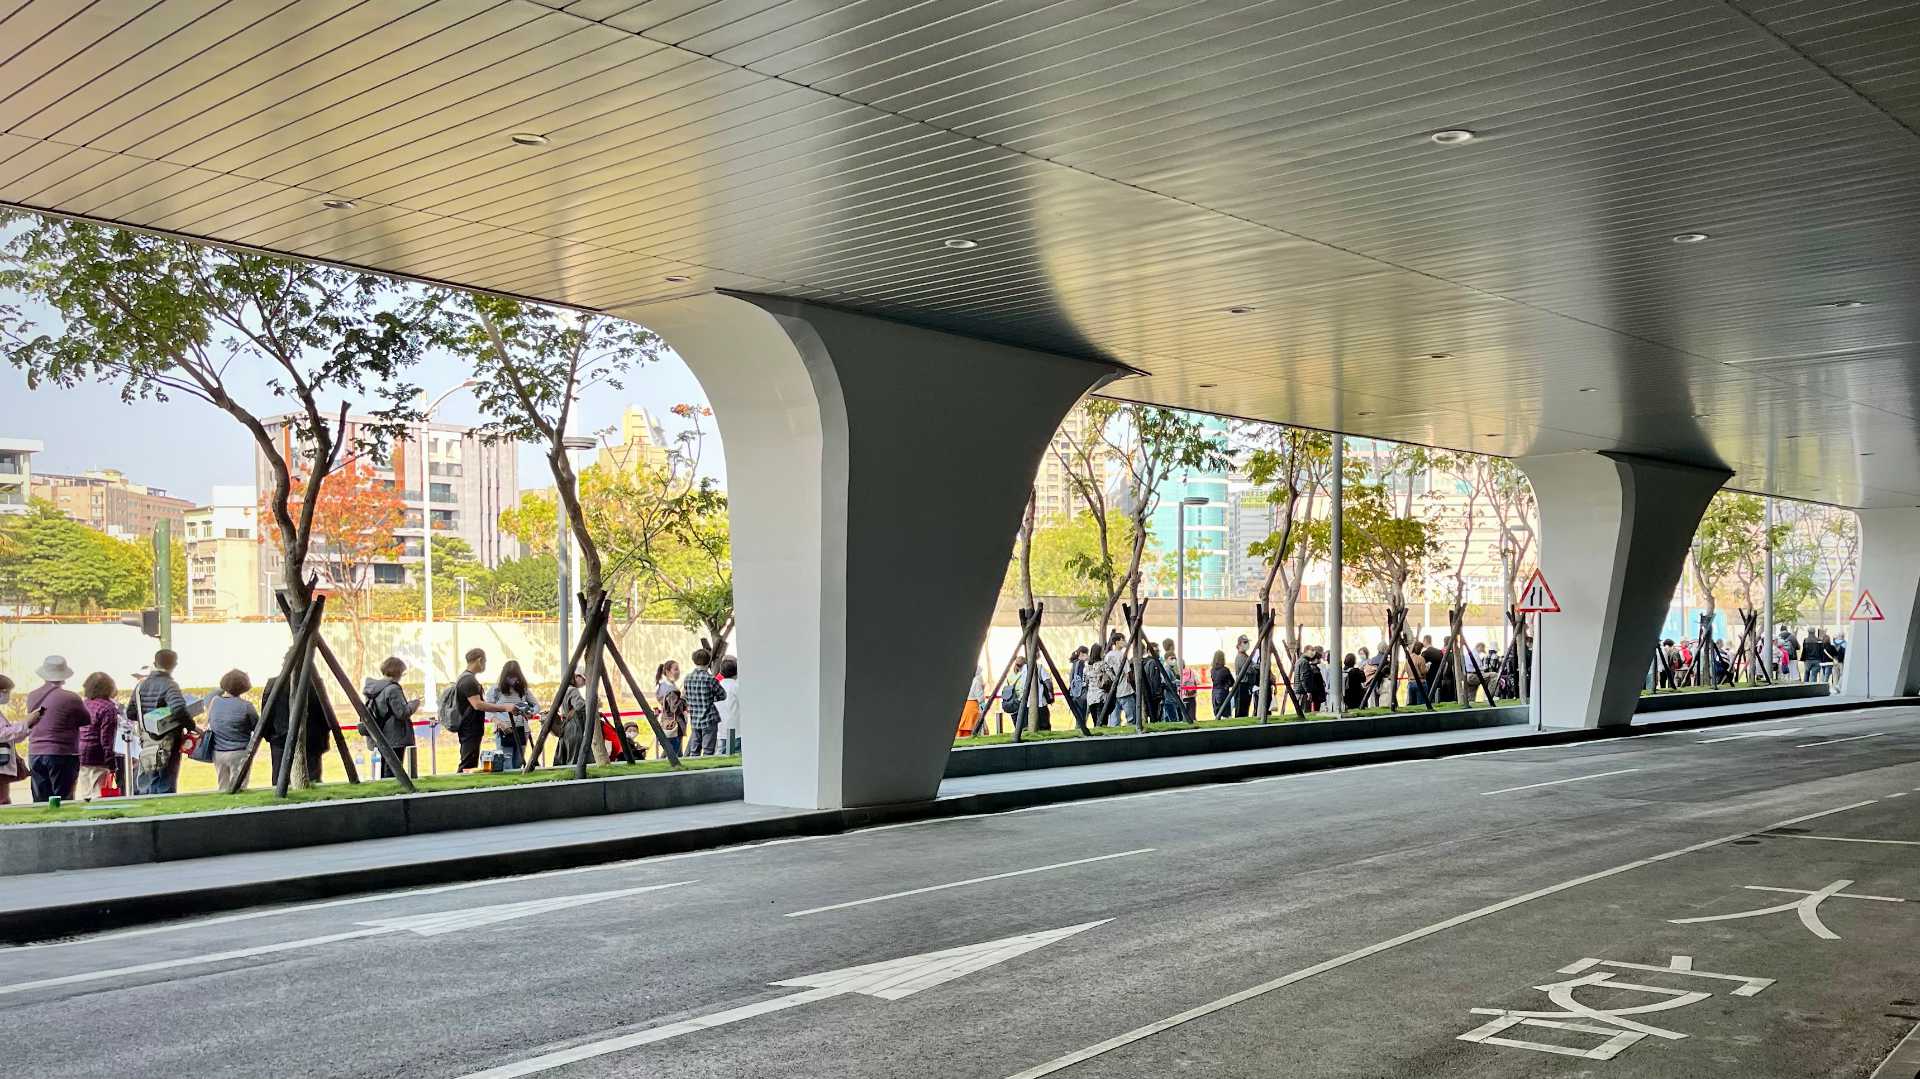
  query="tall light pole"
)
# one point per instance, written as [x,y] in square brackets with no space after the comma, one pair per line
[1767,647]
[1336,575]
[1180,575]
[426,563]
[563,543]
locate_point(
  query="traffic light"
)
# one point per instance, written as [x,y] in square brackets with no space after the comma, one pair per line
[148,621]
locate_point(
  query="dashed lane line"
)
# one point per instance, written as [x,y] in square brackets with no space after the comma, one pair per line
[968,881]
[1836,741]
[1557,782]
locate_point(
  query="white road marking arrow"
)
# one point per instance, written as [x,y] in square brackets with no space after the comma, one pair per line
[891,980]
[1781,733]
[426,925]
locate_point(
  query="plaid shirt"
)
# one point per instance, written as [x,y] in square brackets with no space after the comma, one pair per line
[701,691]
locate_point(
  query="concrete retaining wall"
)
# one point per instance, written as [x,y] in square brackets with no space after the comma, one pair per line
[1789,691]
[43,848]
[1106,749]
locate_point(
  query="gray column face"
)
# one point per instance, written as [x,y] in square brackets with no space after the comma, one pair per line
[1890,570]
[871,467]
[1614,531]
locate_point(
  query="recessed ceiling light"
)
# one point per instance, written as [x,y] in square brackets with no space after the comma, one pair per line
[1691,238]
[960,245]
[1866,453]
[1495,434]
[528,138]
[1452,136]
[1364,413]
[1238,310]
[1588,389]
[1207,385]
[1846,305]
[1439,355]
[677,278]
[337,204]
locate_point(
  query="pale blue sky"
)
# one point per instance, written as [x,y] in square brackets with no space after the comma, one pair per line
[187,446]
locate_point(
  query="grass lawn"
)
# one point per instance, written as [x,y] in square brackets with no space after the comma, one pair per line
[116,808]
[1204,724]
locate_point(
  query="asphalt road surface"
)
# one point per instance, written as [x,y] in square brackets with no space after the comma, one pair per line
[1519,913]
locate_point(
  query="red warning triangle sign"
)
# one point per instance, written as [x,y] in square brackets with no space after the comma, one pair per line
[1865,609]
[1536,596]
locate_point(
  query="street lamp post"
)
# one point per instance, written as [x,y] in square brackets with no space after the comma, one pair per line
[563,543]
[1180,574]
[426,565]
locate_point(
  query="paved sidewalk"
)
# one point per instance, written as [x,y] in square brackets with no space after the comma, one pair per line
[39,906]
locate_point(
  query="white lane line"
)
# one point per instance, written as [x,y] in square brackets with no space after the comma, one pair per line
[1833,741]
[971,880]
[431,925]
[1847,839]
[1557,782]
[1140,1033]
[1772,732]
[1898,794]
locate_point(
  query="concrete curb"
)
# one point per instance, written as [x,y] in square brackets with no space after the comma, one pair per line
[1114,748]
[25,925]
[98,844]
[1675,702]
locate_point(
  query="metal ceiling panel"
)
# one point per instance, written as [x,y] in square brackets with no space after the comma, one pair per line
[1129,171]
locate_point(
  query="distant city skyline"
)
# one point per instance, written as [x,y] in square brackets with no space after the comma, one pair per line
[188,447]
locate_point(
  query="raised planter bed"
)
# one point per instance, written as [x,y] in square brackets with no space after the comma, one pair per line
[1106,749]
[1713,698]
[83,844]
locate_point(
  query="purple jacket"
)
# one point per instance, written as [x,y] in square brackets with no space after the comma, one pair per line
[97,738]
[58,732]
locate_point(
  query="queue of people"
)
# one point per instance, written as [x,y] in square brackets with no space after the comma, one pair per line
[1100,683]
[89,744]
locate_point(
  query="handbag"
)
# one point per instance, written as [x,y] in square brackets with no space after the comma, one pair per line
[202,747]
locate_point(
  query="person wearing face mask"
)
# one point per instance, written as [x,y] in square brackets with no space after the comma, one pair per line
[12,765]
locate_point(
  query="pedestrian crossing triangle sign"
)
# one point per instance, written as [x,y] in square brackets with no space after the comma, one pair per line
[1537,597]
[1866,610]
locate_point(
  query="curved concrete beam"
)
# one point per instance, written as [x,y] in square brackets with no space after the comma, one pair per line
[869,463]
[1614,531]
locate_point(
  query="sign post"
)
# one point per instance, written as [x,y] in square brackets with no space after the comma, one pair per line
[1865,613]
[1536,598]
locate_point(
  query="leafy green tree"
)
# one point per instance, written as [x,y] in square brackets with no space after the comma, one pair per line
[1729,547]
[528,583]
[1294,466]
[1150,445]
[1065,561]
[1384,544]
[52,564]
[166,318]
[531,363]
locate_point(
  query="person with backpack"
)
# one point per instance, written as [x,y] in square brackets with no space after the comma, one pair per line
[388,707]
[673,704]
[470,709]
[13,763]
[159,711]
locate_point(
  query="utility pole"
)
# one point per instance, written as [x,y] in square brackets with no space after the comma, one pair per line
[1767,648]
[163,581]
[1336,591]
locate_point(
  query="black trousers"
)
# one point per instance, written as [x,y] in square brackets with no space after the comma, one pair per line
[53,774]
[470,735]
